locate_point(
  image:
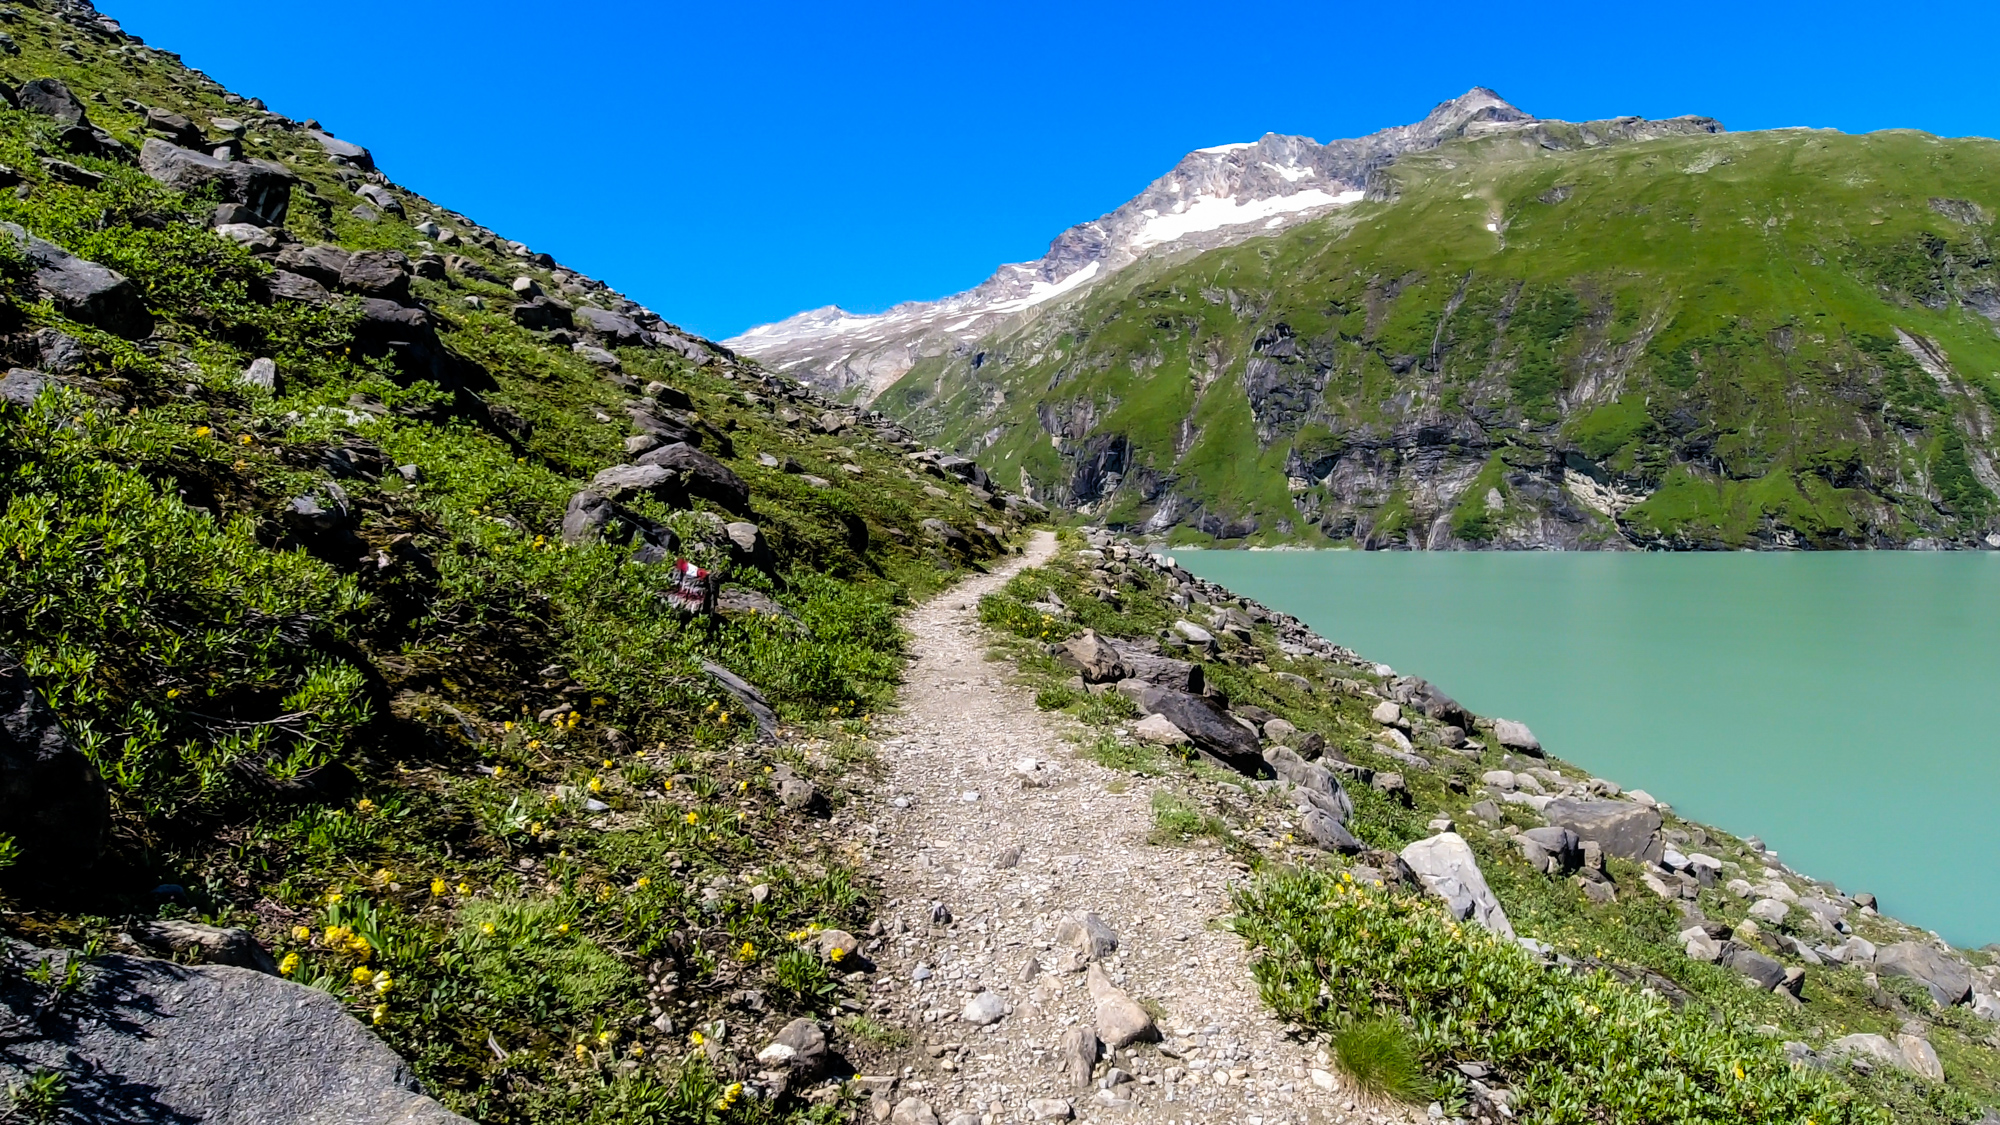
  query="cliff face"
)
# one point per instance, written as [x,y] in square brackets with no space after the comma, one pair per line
[1534,338]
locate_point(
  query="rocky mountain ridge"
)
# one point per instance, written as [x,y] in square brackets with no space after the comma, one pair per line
[1213,197]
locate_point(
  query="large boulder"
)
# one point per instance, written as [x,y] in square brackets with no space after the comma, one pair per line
[1450,871]
[346,150]
[1553,850]
[261,185]
[1213,733]
[50,98]
[377,273]
[621,481]
[1516,736]
[1313,778]
[147,1040]
[1947,979]
[1621,828]
[52,800]
[1424,696]
[82,289]
[614,330]
[1092,657]
[1766,973]
[701,475]
[1159,671]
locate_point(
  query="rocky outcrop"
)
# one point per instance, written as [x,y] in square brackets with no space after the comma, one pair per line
[1450,871]
[77,287]
[1622,828]
[147,1040]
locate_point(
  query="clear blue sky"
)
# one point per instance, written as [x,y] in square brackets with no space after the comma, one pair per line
[732,163]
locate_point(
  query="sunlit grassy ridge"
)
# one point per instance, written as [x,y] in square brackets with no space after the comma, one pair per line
[473,780]
[1766,338]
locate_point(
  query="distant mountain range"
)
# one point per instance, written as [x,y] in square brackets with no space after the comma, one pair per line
[1485,330]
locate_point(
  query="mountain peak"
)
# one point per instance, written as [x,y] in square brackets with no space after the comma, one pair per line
[1214,196]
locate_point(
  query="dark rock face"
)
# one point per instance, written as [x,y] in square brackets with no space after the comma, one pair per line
[1768,973]
[345,150]
[260,185]
[52,799]
[83,289]
[1159,671]
[543,314]
[148,1040]
[50,98]
[702,475]
[377,273]
[1622,828]
[616,331]
[1947,978]
[1210,730]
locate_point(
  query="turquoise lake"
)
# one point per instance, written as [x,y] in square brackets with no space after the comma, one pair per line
[1843,706]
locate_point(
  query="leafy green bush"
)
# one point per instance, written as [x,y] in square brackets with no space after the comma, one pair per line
[1575,1048]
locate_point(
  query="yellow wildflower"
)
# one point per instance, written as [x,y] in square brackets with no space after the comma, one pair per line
[486,928]
[335,935]
[383,983]
[644,882]
[302,933]
[361,975]
[508,725]
[438,887]
[835,954]
[533,744]
[606,1038]
[382,875]
[381,1012]
[639,1052]
[289,965]
[695,1038]
[597,785]
[748,952]
[535,828]
[245,439]
[202,431]
[582,1053]
[562,927]
[693,818]
[333,897]
[499,771]
[464,889]
[607,763]
[743,787]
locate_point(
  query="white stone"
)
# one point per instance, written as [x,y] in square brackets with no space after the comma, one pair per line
[1450,871]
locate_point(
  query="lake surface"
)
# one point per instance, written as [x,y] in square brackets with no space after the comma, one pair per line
[1843,706]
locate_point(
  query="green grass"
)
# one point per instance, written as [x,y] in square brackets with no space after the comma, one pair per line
[1379,1057]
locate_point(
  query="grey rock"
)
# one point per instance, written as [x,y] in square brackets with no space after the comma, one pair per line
[1076,1055]
[913,1111]
[614,330]
[216,1044]
[597,357]
[586,517]
[800,1049]
[49,97]
[946,534]
[1947,979]
[1553,850]
[263,186]
[1089,935]
[377,273]
[1092,657]
[1450,871]
[620,481]
[1328,834]
[1049,1109]
[83,289]
[1621,828]
[1312,777]
[1486,811]
[255,239]
[263,373]
[701,475]
[984,1009]
[1516,736]
[1210,730]
[543,314]
[53,802]
[1768,911]
[346,150]
[1919,1057]
[1280,731]
[1007,857]
[748,696]
[382,198]
[21,386]
[1159,671]
[1156,729]
[1765,972]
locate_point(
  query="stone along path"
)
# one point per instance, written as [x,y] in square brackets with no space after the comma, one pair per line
[1030,925]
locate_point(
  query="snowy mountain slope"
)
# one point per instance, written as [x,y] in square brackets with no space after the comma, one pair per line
[1214,197]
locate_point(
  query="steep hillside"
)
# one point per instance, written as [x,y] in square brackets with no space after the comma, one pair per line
[1786,338]
[387,607]
[1216,196]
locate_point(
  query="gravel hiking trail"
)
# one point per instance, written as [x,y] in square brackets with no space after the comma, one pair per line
[992,832]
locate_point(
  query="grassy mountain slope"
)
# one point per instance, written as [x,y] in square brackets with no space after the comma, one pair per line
[1785,338]
[349,685]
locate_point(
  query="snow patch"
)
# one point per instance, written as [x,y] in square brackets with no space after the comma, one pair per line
[1229,148]
[1292,175]
[1044,291]
[1215,212]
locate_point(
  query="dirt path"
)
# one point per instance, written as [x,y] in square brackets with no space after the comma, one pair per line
[974,771]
